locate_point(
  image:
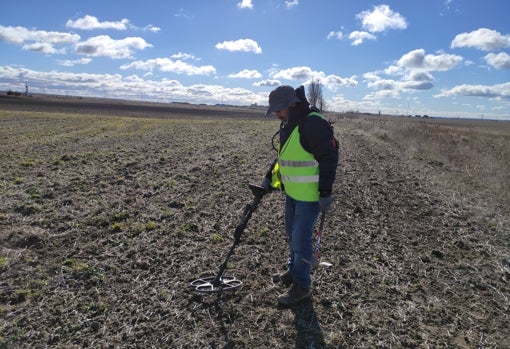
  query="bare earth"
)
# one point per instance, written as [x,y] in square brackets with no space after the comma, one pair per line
[108,212]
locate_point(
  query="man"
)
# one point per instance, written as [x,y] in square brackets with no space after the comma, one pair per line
[305,170]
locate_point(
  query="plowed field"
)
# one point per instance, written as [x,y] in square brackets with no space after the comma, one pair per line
[106,217]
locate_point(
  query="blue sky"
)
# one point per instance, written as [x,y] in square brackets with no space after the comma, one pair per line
[435,57]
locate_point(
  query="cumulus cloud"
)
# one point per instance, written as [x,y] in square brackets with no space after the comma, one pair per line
[243,45]
[268,82]
[184,56]
[411,81]
[498,61]
[245,4]
[381,19]
[482,39]
[90,22]
[417,59]
[420,76]
[377,83]
[72,63]
[306,74]
[414,70]
[358,37]
[62,80]
[332,82]
[37,40]
[392,88]
[105,46]
[294,73]
[416,85]
[168,65]
[498,91]
[132,87]
[246,74]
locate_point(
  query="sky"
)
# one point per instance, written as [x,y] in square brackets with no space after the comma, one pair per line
[445,58]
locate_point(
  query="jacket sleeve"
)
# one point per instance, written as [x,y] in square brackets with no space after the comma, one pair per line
[317,137]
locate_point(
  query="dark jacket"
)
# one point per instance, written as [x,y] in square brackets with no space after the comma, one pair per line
[316,136]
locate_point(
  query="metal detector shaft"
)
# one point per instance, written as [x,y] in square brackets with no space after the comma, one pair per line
[258,194]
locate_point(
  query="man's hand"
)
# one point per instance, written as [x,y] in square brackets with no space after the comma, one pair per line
[325,203]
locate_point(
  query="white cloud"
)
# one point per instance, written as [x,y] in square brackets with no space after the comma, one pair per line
[335,35]
[381,18]
[415,69]
[294,73]
[394,70]
[382,84]
[90,22]
[382,95]
[168,65]
[152,28]
[417,59]
[482,39]
[291,3]
[184,56]
[103,45]
[332,82]
[246,74]
[245,4]
[58,80]
[269,83]
[412,81]
[305,74]
[358,37]
[415,85]
[131,87]
[498,61]
[72,63]
[499,91]
[419,76]
[37,40]
[243,45]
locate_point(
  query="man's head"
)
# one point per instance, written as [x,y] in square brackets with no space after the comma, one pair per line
[281,99]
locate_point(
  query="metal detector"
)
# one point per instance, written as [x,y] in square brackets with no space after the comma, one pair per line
[222,283]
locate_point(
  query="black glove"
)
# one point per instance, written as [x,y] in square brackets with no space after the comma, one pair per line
[266,184]
[325,203]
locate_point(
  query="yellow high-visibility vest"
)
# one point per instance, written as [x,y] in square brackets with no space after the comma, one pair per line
[297,169]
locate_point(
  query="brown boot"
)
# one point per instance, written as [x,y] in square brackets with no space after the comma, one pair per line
[285,278]
[294,295]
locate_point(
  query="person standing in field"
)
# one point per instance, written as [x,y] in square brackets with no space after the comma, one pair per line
[305,170]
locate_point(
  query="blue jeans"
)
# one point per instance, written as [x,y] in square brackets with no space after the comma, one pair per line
[300,219]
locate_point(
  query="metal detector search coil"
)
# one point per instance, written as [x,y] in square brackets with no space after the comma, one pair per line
[211,285]
[220,282]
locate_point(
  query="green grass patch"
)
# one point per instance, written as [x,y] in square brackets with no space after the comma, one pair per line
[3,262]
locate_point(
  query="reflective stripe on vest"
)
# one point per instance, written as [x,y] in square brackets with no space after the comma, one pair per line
[301,179]
[291,163]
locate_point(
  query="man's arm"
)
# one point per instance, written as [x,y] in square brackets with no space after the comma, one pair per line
[318,139]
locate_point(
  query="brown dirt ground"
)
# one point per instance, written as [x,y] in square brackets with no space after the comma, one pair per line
[104,222]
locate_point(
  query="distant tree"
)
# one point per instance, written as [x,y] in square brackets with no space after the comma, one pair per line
[315,95]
